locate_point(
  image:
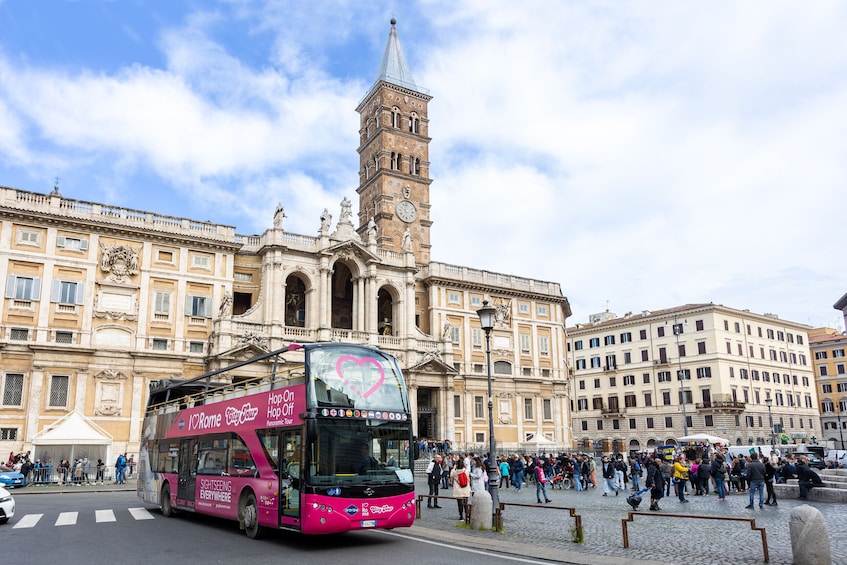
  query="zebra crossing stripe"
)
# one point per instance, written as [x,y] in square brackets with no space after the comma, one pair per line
[66,519]
[141,514]
[28,521]
[104,516]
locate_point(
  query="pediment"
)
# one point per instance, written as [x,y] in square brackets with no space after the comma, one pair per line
[249,347]
[433,363]
[351,249]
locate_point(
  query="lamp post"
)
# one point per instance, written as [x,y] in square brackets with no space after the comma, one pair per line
[487,317]
[677,329]
[769,403]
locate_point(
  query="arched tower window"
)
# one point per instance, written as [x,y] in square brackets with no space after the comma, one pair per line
[395,161]
[395,117]
[342,297]
[414,123]
[295,302]
[385,312]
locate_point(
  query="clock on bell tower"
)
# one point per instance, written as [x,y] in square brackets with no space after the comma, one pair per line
[394,155]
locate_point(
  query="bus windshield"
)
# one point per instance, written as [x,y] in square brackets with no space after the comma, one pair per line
[361,452]
[343,377]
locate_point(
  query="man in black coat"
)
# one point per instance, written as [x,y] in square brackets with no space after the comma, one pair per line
[807,479]
[656,483]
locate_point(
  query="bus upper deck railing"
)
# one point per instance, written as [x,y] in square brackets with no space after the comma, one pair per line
[220,392]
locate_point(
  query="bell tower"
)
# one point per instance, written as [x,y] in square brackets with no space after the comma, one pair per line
[394,156]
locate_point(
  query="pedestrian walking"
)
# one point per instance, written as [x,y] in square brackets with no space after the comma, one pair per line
[656,482]
[718,472]
[756,479]
[770,473]
[433,479]
[461,481]
[540,482]
[608,469]
[680,476]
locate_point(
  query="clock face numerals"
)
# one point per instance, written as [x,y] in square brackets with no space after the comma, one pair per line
[406,211]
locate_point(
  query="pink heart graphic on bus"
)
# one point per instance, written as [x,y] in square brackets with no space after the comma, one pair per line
[360,363]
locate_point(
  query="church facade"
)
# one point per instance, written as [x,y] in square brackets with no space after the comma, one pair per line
[101,300]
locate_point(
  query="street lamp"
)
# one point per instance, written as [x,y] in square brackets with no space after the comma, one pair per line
[487,316]
[769,403]
[677,329]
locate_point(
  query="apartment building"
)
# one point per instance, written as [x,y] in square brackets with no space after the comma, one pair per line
[649,378]
[828,348]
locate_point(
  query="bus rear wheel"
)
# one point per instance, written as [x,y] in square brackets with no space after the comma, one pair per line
[165,499]
[250,518]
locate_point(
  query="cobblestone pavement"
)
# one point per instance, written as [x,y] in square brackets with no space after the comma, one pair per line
[654,538]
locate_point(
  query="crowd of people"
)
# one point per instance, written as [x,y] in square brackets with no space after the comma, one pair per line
[696,472]
[78,472]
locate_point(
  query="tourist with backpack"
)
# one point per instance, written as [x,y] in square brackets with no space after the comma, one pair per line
[461,481]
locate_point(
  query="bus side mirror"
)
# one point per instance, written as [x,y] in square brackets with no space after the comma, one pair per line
[311,426]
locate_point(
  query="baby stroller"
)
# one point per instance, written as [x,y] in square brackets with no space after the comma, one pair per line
[634,499]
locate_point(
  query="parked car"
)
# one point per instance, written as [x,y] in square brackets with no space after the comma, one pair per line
[814,460]
[7,506]
[11,479]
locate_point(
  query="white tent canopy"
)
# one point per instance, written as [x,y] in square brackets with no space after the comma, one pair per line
[70,437]
[704,438]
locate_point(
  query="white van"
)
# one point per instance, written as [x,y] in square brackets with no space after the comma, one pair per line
[764,451]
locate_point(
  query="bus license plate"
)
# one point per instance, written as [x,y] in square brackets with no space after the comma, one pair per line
[369,523]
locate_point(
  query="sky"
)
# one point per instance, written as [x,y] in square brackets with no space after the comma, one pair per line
[644,155]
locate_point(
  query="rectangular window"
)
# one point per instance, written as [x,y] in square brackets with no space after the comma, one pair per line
[632,424]
[8,434]
[709,420]
[628,380]
[642,334]
[627,357]
[580,364]
[160,344]
[595,362]
[594,342]
[837,353]
[63,337]
[646,377]
[23,288]
[582,404]
[478,411]
[650,424]
[161,304]
[645,355]
[526,371]
[542,311]
[457,406]
[626,337]
[19,334]
[578,344]
[599,425]
[524,339]
[59,391]
[661,331]
[704,372]
[198,306]
[28,237]
[629,401]
[585,425]
[663,376]
[698,325]
[200,261]
[547,407]
[453,297]
[609,340]
[701,347]
[476,301]
[527,409]
[243,277]
[616,424]
[72,243]
[455,334]
[13,389]
[523,308]
[666,398]
[669,422]
[195,347]
[476,337]
[544,345]
[648,399]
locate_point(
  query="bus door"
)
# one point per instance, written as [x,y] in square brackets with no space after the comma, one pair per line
[290,475]
[187,471]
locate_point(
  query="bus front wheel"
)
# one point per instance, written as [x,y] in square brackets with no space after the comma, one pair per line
[250,518]
[167,509]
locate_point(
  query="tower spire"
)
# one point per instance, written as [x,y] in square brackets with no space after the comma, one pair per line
[393,67]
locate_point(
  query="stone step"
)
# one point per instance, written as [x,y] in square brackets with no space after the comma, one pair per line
[828,481]
[818,494]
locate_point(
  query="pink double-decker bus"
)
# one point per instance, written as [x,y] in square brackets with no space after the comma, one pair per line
[313,438]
